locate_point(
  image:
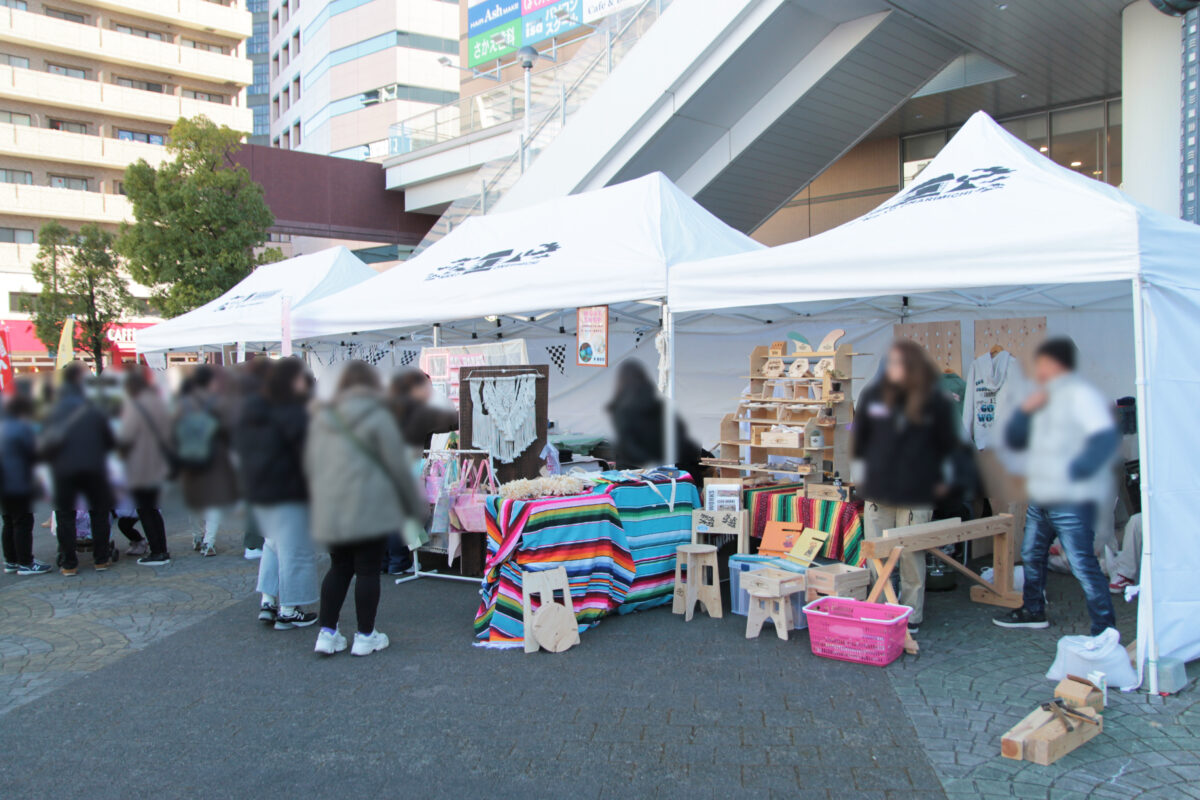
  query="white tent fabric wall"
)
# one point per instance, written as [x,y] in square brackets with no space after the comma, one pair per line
[252,311]
[989,210]
[610,246]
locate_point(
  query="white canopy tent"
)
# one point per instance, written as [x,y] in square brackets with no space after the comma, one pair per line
[991,221]
[607,247]
[253,311]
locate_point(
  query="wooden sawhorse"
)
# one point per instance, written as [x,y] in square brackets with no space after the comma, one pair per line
[933,535]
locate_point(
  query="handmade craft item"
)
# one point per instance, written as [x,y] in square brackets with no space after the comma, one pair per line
[504,418]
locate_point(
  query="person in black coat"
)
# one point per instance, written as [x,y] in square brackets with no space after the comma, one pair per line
[904,433]
[18,452]
[76,442]
[269,439]
[636,411]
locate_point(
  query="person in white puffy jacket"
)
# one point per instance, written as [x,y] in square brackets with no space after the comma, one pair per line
[1067,429]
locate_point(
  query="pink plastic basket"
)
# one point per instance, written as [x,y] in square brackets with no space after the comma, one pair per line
[854,630]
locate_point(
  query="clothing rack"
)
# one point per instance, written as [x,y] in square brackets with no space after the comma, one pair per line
[417,572]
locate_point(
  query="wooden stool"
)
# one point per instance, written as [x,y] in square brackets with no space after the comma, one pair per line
[778,608]
[694,582]
[553,626]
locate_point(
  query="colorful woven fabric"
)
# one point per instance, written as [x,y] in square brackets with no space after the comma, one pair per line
[843,521]
[771,504]
[657,518]
[582,534]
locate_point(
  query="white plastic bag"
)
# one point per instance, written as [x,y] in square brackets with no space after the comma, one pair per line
[1018,577]
[1079,655]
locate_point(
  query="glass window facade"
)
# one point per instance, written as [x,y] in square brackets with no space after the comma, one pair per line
[15,118]
[1085,138]
[14,61]
[139,136]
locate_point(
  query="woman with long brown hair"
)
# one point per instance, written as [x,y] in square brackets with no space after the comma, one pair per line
[904,434]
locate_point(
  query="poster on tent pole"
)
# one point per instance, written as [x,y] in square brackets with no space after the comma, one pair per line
[6,367]
[591,336]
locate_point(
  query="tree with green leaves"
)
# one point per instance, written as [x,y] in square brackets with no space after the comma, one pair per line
[101,290]
[199,219]
[80,276]
[52,306]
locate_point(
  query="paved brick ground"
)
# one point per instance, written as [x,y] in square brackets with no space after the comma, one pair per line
[160,682]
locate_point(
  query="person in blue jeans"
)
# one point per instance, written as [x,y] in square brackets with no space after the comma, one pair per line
[1068,431]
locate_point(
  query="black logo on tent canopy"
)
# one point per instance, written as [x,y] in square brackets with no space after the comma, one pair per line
[500,259]
[949,185]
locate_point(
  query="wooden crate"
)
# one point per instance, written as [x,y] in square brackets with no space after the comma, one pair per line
[773,582]
[781,439]
[838,580]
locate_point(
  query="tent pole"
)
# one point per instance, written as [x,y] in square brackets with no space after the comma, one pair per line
[437,334]
[1146,572]
[670,445]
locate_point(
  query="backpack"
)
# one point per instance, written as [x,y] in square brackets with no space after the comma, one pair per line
[195,431]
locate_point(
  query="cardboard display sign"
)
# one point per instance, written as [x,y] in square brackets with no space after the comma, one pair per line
[808,546]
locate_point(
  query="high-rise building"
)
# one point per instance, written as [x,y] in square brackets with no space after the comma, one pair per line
[90,86]
[343,71]
[258,50]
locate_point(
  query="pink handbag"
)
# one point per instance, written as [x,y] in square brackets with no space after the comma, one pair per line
[469,504]
[435,472]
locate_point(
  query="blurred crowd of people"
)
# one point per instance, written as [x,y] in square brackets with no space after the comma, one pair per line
[336,475]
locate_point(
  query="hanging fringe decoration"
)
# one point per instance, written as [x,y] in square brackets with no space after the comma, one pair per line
[504,418]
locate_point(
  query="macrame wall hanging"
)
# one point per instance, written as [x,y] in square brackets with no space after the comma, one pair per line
[504,416]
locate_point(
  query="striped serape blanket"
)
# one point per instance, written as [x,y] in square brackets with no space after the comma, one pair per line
[843,521]
[656,513]
[582,534]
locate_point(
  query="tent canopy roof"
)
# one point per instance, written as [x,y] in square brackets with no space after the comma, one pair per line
[251,312]
[988,211]
[609,246]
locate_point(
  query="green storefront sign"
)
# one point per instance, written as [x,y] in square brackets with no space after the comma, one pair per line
[495,43]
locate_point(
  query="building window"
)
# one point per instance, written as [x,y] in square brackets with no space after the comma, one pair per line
[67,125]
[287,100]
[69,16]
[275,142]
[296,89]
[285,57]
[208,97]
[1113,174]
[16,176]
[296,134]
[15,118]
[917,152]
[212,48]
[275,24]
[261,83]
[284,13]
[14,61]
[275,107]
[262,124]
[16,236]
[20,5]
[287,140]
[140,136]
[259,39]
[256,6]
[69,182]
[296,43]
[70,72]
[145,86]
[141,32]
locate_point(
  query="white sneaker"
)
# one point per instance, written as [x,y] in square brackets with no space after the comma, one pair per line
[365,645]
[253,555]
[330,643]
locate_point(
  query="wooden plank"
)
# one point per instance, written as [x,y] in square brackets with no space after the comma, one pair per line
[937,534]
[884,583]
[1020,336]
[1043,738]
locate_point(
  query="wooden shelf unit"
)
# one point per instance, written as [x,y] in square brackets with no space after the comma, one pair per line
[805,400]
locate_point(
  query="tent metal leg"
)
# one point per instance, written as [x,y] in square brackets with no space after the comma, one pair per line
[1148,638]
[670,445]
[420,573]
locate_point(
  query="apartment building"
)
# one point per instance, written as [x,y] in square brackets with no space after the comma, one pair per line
[86,88]
[342,71]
